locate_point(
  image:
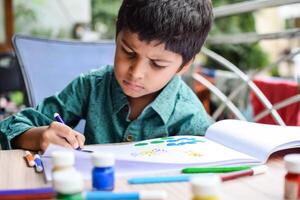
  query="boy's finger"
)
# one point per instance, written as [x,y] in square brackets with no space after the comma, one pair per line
[72,139]
[66,132]
[62,142]
[80,138]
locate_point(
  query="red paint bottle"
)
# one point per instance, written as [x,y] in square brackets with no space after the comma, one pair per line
[292,177]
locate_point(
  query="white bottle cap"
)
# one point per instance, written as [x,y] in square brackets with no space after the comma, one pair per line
[206,186]
[68,181]
[62,158]
[292,163]
[155,194]
[103,159]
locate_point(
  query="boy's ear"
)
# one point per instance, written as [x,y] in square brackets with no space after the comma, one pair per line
[185,67]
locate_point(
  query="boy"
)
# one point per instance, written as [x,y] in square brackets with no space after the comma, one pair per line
[141,97]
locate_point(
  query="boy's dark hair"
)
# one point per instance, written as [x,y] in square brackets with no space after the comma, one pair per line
[182,25]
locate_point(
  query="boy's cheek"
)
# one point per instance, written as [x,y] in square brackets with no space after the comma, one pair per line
[120,69]
[121,62]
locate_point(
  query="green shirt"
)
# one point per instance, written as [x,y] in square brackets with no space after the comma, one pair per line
[98,98]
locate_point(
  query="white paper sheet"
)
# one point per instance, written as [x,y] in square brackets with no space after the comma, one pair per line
[156,156]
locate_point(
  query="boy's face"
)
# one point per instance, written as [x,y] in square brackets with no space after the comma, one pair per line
[143,69]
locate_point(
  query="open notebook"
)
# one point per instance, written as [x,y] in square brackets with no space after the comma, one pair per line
[227,142]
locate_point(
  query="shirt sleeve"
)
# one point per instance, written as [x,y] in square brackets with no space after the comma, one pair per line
[69,103]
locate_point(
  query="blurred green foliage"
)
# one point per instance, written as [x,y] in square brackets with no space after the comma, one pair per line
[244,56]
[17,97]
[104,15]
[26,20]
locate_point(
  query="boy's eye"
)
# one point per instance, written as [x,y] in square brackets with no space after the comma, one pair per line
[130,54]
[157,65]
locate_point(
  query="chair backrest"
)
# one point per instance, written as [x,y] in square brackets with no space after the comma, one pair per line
[47,66]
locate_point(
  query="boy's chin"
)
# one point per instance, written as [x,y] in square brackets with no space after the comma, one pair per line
[134,94]
[130,95]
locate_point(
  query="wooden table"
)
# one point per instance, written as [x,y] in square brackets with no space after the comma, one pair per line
[15,175]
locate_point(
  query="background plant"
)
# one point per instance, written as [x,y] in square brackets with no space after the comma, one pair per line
[245,56]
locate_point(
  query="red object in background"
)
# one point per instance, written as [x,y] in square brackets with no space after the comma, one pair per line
[277,90]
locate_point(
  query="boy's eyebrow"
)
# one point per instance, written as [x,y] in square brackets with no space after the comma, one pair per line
[157,60]
[127,45]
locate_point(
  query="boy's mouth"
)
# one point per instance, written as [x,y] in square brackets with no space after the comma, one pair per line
[133,86]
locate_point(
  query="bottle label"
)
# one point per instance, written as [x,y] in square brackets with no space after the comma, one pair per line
[291,190]
[211,197]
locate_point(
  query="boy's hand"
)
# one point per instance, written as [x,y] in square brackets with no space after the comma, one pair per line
[61,134]
[56,133]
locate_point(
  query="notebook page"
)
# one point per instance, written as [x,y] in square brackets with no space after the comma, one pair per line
[257,140]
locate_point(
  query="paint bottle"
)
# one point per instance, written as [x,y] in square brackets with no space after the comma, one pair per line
[103,171]
[62,160]
[68,185]
[38,163]
[206,188]
[292,177]
[29,159]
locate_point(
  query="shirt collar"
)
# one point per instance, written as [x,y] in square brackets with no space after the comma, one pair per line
[164,103]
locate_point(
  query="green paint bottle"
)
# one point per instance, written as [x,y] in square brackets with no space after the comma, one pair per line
[68,185]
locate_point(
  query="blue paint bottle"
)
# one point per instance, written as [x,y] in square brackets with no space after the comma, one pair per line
[103,177]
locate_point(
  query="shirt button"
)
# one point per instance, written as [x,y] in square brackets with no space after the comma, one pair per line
[129,138]
[126,109]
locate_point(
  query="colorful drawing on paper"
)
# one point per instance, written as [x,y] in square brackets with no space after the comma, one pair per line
[170,141]
[141,144]
[194,154]
[149,152]
[156,142]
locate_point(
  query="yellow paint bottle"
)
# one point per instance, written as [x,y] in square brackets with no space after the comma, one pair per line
[206,188]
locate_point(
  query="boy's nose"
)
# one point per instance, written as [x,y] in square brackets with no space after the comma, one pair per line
[137,70]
